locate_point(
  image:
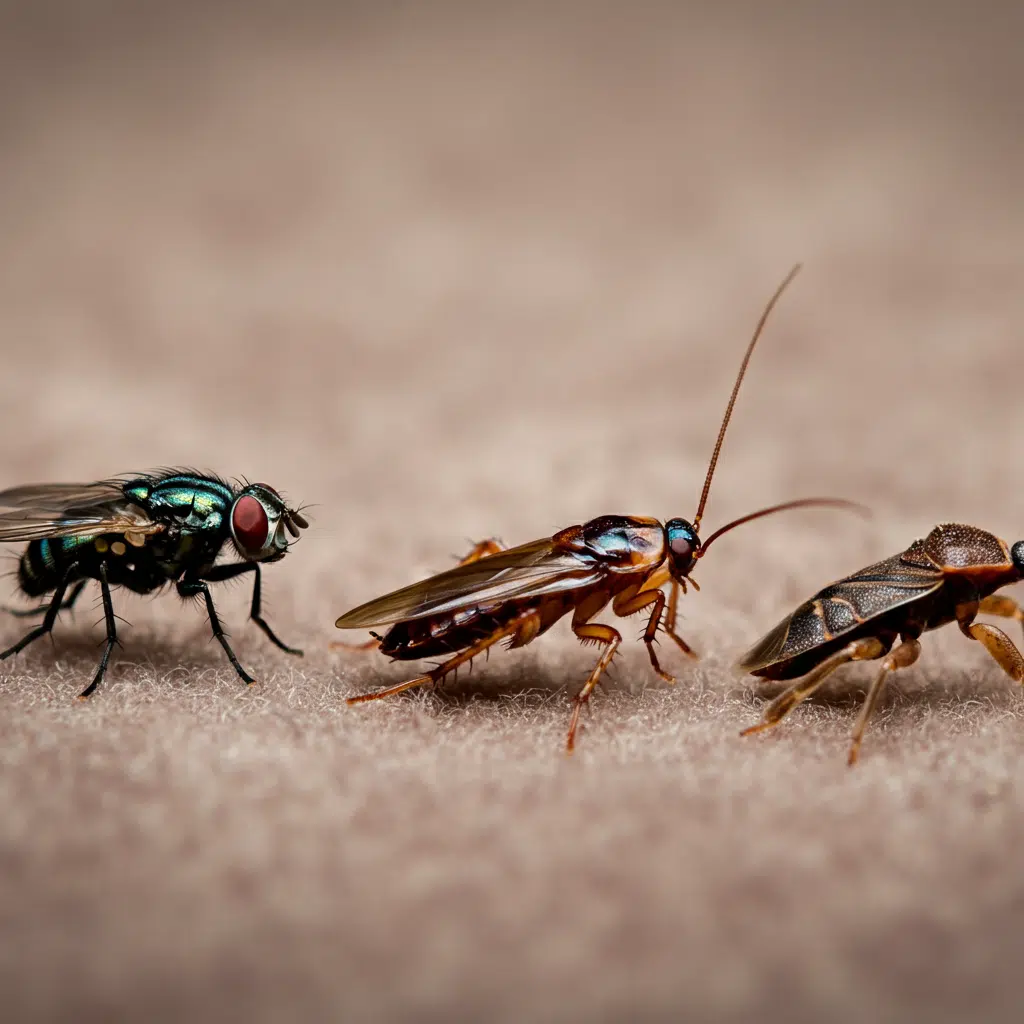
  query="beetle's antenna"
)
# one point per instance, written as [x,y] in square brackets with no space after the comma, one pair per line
[735,391]
[851,506]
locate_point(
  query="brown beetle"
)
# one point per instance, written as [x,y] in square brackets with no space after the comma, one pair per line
[949,576]
[517,594]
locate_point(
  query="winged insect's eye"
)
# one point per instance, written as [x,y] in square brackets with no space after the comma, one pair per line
[249,523]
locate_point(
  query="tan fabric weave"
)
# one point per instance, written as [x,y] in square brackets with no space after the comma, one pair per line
[448,272]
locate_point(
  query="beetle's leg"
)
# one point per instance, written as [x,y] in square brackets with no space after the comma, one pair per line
[527,622]
[856,650]
[108,614]
[999,645]
[1004,607]
[40,609]
[593,632]
[906,654]
[49,619]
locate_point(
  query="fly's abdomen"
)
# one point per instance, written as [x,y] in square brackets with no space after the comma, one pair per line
[45,563]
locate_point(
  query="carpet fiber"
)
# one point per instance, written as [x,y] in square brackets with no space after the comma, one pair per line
[447,272]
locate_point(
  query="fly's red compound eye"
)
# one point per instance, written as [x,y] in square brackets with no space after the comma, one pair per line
[249,523]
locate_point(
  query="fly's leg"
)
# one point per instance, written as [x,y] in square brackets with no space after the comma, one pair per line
[49,619]
[591,632]
[491,546]
[857,650]
[527,623]
[226,572]
[28,613]
[1004,607]
[195,588]
[254,614]
[108,615]
[903,656]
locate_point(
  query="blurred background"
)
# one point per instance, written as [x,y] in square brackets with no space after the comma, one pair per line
[451,270]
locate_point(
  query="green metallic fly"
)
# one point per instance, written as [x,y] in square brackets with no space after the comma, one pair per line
[143,533]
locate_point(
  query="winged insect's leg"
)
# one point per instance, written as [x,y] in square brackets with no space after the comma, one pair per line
[227,572]
[626,604]
[369,645]
[1004,607]
[901,657]
[48,620]
[40,609]
[108,615]
[668,626]
[194,588]
[857,650]
[527,622]
[593,632]
[490,546]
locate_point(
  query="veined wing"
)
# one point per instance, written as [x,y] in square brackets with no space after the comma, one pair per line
[37,511]
[841,607]
[530,570]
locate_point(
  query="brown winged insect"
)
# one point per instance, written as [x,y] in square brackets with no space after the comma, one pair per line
[519,593]
[949,576]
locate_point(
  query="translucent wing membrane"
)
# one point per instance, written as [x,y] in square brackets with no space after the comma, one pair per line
[530,570]
[38,511]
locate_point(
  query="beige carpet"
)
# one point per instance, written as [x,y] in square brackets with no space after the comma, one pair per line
[448,272]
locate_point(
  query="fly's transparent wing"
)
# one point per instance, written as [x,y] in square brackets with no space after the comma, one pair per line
[38,511]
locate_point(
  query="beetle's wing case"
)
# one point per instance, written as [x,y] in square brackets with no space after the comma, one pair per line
[39,511]
[843,606]
[530,570]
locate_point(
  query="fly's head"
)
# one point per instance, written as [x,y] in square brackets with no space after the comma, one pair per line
[683,547]
[262,525]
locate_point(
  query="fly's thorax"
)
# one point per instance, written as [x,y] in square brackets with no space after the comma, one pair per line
[622,543]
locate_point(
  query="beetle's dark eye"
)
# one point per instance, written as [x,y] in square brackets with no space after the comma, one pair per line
[1017,554]
[249,523]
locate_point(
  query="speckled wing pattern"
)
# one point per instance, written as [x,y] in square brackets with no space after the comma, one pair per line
[530,570]
[38,511]
[843,606]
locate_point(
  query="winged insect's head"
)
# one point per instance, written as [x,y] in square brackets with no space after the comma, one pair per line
[683,547]
[261,523]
